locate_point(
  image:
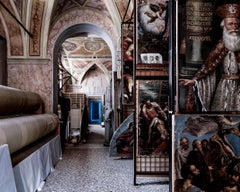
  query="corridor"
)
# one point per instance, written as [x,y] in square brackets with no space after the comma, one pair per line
[88,168]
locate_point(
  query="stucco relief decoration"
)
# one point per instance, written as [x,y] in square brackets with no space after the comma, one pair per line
[69,46]
[92,46]
[14,32]
[36,25]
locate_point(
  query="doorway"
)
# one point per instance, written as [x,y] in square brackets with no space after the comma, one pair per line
[87,71]
[95,110]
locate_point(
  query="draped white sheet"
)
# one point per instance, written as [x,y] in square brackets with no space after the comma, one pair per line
[7,182]
[31,172]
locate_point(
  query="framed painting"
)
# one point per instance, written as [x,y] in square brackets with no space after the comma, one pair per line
[152,134]
[207,80]
[205,151]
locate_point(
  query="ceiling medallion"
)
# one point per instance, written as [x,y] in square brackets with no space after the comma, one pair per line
[69,46]
[92,46]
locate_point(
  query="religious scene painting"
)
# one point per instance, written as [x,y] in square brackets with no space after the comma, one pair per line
[206,151]
[151,86]
[153,133]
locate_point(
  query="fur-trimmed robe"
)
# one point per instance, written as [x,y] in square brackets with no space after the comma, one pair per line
[219,94]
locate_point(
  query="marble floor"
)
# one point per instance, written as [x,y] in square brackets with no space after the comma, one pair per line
[88,168]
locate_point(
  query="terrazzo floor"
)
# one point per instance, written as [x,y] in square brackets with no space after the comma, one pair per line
[88,168]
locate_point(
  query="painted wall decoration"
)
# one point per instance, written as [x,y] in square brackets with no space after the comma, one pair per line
[36,26]
[14,31]
[206,148]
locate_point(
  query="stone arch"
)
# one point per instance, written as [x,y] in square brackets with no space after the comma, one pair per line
[104,29]
[101,67]
[74,23]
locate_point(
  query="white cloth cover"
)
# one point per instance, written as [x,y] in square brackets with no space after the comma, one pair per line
[7,182]
[31,172]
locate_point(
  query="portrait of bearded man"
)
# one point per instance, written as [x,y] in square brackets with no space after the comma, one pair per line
[153,17]
[217,83]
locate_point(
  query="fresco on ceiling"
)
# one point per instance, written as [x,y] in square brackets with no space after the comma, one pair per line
[14,32]
[122,8]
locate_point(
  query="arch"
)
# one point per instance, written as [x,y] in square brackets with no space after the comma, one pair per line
[74,31]
[100,66]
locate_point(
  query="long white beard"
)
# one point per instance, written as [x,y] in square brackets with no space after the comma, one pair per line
[231,42]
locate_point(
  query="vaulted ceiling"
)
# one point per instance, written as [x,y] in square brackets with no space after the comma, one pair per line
[33,30]
[88,45]
[32,20]
[85,49]
[124,7]
[36,16]
[81,50]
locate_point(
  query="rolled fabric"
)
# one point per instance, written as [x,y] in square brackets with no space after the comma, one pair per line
[15,101]
[21,131]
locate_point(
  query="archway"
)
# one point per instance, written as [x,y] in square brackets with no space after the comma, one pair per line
[75,31]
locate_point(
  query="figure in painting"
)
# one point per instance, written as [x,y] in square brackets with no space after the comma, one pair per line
[222,93]
[223,131]
[196,157]
[153,17]
[190,174]
[128,85]
[181,154]
[215,149]
[231,181]
[124,142]
[127,48]
[155,119]
[232,184]
[156,12]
